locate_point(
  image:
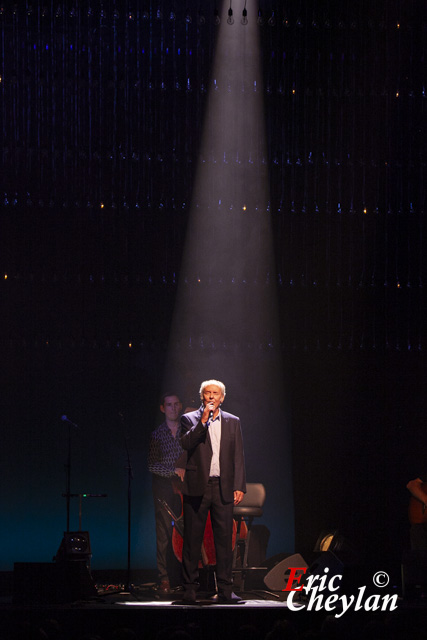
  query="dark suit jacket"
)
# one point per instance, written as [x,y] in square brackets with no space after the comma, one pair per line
[195,439]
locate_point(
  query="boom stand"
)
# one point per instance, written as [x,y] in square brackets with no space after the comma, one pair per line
[68,478]
[130,478]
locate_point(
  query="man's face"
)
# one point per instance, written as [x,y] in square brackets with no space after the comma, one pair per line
[171,407]
[212,393]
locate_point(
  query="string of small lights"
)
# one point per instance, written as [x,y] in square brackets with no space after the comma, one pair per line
[101,117]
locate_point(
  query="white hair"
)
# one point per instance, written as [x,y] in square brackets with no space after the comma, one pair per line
[207,383]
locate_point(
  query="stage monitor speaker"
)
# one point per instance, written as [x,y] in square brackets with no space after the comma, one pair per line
[277,578]
[50,583]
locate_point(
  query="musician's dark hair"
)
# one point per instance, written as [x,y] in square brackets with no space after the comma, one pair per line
[166,394]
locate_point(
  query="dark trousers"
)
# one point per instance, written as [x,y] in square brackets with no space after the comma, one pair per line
[168,566]
[195,514]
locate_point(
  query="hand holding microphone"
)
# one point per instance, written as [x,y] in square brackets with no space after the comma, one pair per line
[209,411]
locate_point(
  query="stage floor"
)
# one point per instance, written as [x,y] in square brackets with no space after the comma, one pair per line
[107,617]
[148,615]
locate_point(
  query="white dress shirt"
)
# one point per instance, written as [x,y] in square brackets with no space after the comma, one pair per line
[215,435]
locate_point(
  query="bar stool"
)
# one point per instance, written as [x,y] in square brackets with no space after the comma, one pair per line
[249,508]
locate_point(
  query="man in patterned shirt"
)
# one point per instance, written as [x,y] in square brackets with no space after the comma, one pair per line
[166,462]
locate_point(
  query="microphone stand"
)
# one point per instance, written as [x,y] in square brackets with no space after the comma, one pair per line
[129,522]
[67,493]
[68,478]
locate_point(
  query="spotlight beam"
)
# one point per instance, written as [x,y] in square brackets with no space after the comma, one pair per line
[226,321]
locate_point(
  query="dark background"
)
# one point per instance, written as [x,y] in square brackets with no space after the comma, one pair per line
[101,120]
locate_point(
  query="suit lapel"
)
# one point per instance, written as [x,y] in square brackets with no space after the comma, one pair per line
[224,421]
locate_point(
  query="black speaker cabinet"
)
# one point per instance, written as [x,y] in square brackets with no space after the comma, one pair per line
[52,583]
[414,573]
[352,574]
[329,560]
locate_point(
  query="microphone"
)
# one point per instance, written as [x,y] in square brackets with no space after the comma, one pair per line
[65,419]
[210,414]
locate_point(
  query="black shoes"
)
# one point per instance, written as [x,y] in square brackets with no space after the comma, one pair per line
[188,599]
[225,598]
